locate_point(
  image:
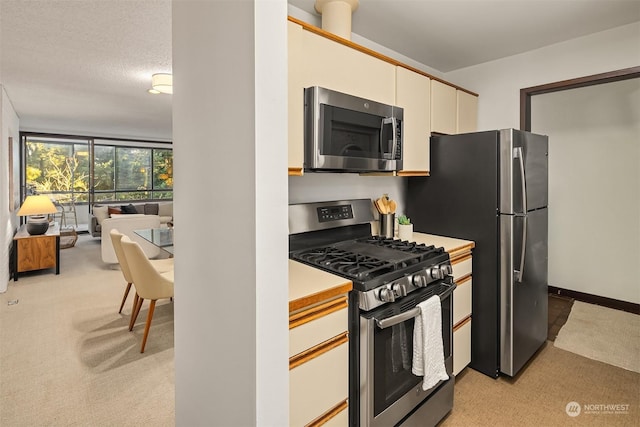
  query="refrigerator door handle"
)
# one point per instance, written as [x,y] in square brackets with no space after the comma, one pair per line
[518,274]
[518,154]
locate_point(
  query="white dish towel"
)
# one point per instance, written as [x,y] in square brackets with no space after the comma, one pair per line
[428,350]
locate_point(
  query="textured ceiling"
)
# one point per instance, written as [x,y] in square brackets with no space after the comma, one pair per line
[83,67]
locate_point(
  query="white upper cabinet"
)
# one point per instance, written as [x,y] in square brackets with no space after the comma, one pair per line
[316,59]
[413,94]
[295,99]
[452,110]
[443,108]
[341,68]
[467,119]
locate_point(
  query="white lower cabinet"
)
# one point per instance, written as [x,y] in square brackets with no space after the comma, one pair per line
[340,420]
[318,385]
[318,348]
[462,312]
[312,333]
[462,301]
[461,347]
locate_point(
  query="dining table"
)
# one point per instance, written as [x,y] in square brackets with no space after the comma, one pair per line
[160,237]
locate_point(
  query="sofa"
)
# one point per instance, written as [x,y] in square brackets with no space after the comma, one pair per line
[103,211]
[127,224]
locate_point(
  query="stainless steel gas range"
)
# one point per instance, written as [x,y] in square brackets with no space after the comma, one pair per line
[390,278]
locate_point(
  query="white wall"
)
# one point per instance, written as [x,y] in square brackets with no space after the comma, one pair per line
[314,187]
[230,206]
[499,83]
[8,220]
[594,191]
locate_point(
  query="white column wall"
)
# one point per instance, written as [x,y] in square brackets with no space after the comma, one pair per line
[230,205]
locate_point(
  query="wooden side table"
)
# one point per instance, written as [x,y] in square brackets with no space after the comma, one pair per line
[36,252]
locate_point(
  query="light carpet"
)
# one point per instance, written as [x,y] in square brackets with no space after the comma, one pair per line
[67,357]
[603,334]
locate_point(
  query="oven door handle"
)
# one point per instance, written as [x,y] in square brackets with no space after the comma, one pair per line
[402,317]
[399,318]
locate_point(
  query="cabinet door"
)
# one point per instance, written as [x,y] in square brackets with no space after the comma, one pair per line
[313,333]
[338,67]
[443,108]
[318,385]
[467,119]
[295,99]
[36,253]
[413,94]
[462,301]
[461,347]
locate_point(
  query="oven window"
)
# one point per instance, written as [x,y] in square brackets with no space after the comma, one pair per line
[353,134]
[393,353]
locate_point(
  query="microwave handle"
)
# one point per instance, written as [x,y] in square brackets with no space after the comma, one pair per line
[394,124]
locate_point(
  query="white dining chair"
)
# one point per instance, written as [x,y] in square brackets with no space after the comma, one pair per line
[149,283]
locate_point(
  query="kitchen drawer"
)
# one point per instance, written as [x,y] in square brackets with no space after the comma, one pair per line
[461,347]
[318,385]
[461,267]
[462,300]
[340,420]
[318,330]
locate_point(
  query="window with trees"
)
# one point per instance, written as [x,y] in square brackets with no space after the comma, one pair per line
[92,170]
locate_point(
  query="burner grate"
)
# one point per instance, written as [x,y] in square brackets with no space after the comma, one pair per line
[356,266]
[403,245]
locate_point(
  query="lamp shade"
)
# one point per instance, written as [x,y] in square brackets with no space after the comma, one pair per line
[162,83]
[37,205]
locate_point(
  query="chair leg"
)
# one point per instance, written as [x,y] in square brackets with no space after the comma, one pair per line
[124,298]
[133,310]
[152,307]
[134,316]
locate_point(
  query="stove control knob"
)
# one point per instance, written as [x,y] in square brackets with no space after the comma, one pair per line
[399,290]
[446,269]
[419,280]
[436,273]
[386,295]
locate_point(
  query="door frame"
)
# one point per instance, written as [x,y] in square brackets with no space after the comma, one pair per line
[595,79]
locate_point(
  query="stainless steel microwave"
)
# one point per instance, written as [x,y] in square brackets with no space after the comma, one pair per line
[344,133]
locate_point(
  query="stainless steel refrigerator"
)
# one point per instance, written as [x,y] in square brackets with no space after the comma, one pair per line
[491,187]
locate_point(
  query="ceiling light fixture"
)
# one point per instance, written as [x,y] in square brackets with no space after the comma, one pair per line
[161,83]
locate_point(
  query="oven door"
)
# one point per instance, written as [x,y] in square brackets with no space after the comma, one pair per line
[388,390]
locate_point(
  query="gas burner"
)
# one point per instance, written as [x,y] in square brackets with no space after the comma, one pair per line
[402,245]
[356,266]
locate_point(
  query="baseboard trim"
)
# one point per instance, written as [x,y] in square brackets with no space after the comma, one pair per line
[596,299]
